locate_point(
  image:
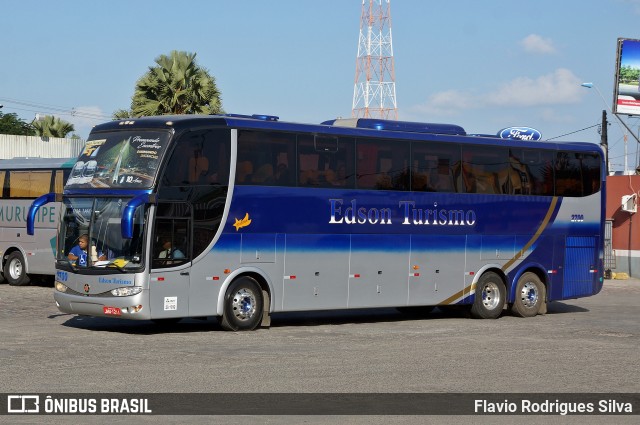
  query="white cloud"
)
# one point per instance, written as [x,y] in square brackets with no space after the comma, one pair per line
[447,102]
[536,44]
[561,87]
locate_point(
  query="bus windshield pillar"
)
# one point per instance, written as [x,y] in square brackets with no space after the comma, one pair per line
[33,210]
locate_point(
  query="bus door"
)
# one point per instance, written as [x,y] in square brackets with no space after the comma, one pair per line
[170,261]
[580,266]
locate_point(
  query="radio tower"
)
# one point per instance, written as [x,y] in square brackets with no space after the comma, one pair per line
[374,92]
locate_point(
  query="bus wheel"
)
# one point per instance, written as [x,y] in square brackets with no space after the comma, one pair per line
[243,305]
[15,270]
[530,295]
[490,296]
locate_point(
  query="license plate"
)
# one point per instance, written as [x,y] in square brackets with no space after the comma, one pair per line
[113,311]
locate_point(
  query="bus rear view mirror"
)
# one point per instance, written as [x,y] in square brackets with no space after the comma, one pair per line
[126,225]
[35,206]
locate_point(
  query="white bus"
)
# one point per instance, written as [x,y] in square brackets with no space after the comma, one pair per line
[22,180]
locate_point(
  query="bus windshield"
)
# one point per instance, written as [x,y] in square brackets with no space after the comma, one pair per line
[91,237]
[120,159]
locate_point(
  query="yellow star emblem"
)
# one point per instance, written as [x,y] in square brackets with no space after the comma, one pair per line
[239,224]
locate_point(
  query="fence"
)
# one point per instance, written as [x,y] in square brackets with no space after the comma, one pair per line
[39,147]
[609,252]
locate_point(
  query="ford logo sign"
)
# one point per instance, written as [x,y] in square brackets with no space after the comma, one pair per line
[522,133]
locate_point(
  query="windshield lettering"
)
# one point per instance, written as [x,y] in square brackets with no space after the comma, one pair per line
[119,159]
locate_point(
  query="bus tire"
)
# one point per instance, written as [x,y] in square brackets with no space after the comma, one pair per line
[243,305]
[15,270]
[530,295]
[489,298]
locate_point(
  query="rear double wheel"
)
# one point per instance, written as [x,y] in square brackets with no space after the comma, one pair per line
[243,305]
[490,297]
[529,297]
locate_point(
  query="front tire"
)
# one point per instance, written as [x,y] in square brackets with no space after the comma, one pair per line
[490,297]
[15,270]
[243,305]
[530,296]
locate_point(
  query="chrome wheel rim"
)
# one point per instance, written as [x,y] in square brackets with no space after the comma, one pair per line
[15,269]
[529,294]
[490,296]
[244,304]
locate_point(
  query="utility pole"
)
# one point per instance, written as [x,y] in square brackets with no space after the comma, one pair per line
[604,139]
[374,92]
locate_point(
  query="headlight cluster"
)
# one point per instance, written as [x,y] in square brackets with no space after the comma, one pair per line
[61,287]
[126,292]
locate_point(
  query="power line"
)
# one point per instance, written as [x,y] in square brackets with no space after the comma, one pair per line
[60,110]
[573,132]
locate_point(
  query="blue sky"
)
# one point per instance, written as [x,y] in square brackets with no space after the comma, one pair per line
[484,65]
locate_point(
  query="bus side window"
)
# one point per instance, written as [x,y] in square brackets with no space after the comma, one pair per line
[199,158]
[517,180]
[325,162]
[434,167]
[485,169]
[591,173]
[29,184]
[532,171]
[172,235]
[265,158]
[568,175]
[382,164]
[58,181]
[18,184]
[244,171]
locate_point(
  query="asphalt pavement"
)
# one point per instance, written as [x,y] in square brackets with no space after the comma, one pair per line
[587,345]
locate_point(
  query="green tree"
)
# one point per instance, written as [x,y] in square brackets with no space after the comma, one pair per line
[629,75]
[121,114]
[11,124]
[50,126]
[176,85]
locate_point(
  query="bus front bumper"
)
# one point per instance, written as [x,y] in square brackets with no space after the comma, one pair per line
[134,307]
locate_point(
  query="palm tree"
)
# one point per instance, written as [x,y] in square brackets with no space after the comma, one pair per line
[122,114]
[50,126]
[177,85]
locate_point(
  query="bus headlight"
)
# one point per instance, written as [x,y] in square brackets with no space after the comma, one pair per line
[61,287]
[126,292]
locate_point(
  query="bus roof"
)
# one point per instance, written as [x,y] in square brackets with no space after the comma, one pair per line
[24,163]
[377,128]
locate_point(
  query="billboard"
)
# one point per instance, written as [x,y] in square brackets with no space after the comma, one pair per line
[626,99]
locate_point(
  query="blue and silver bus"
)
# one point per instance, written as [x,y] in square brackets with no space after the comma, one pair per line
[243,216]
[22,180]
